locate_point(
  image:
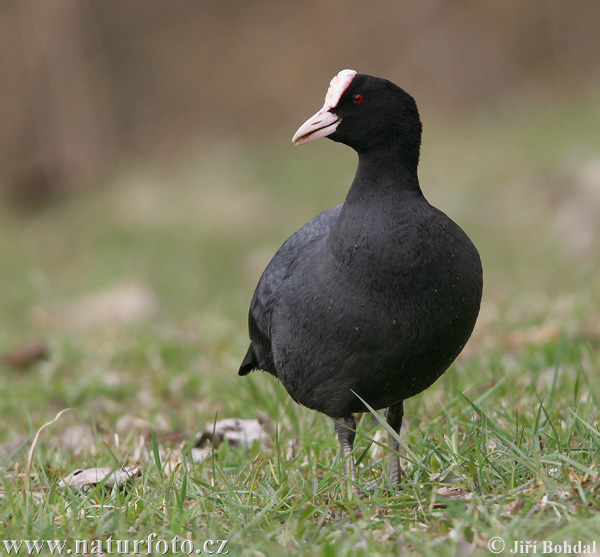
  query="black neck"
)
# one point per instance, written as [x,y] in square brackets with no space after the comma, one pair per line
[382,173]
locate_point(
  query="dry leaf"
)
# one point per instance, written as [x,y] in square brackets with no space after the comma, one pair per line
[200,455]
[23,357]
[454,492]
[236,432]
[85,480]
[452,487]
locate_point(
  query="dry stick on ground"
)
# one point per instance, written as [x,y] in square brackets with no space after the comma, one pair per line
[34,444]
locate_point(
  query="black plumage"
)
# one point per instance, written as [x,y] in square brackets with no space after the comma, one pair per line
[375,297]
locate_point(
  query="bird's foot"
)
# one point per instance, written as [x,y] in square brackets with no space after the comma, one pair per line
[375,485]
[372,486]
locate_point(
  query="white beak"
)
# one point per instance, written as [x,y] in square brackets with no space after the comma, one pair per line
[322,124]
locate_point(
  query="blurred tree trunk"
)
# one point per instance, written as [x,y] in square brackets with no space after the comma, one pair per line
[71,131]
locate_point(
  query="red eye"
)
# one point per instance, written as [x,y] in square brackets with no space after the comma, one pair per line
[357,99]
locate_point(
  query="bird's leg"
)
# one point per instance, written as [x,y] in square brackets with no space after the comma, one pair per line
[345,428]
[394,416]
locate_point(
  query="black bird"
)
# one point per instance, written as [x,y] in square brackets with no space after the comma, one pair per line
[375,297]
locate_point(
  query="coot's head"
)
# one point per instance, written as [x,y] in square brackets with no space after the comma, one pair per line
[366,113]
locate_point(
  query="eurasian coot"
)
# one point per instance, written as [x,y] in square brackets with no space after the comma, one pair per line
[375,297]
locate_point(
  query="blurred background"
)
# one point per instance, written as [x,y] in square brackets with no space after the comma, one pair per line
[87,85]
[147,174]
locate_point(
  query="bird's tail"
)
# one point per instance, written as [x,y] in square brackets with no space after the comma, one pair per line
[250,363]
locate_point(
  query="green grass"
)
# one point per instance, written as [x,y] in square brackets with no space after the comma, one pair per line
[506,443]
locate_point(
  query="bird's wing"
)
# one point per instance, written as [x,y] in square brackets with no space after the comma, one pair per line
[259,318]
